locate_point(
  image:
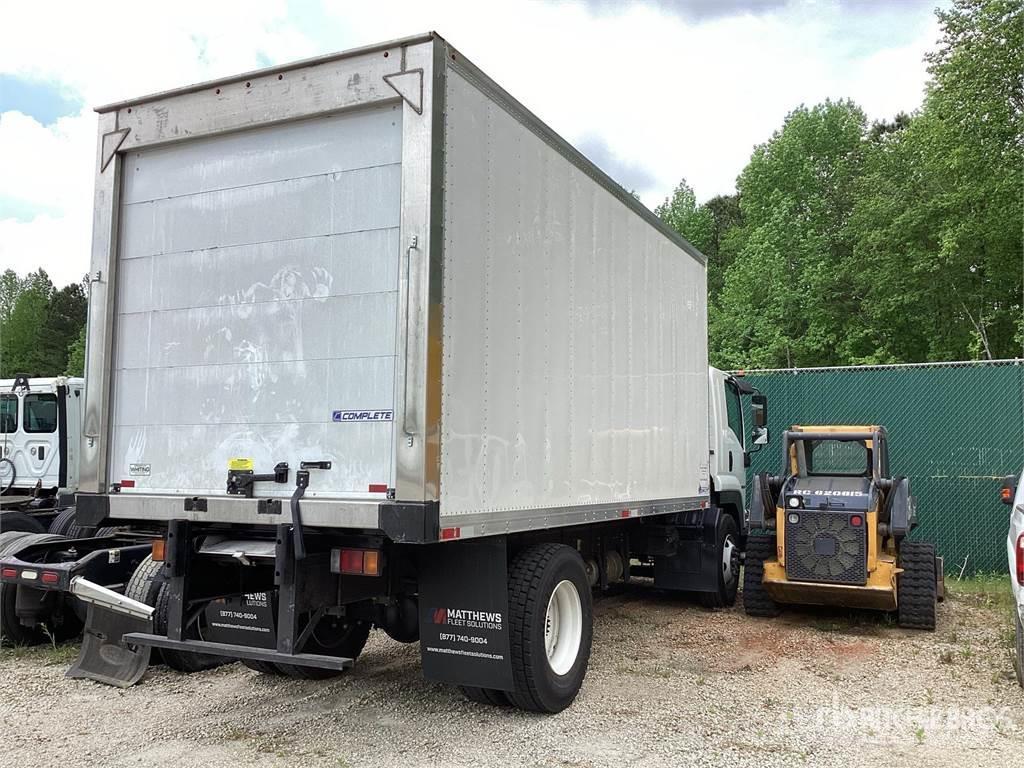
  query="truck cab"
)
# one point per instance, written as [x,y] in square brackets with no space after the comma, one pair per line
[40,431]
[732,440]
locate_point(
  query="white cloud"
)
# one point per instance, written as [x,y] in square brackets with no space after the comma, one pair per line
[659,93]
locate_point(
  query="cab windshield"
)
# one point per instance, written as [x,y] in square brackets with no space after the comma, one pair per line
[846,458]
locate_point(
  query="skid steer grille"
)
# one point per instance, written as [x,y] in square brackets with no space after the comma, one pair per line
[826,547]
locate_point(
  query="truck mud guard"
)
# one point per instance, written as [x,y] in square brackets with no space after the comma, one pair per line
[105,656]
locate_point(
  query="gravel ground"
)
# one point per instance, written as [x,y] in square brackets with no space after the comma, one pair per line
[669,684]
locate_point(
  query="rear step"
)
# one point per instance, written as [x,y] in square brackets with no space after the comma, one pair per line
[239,651]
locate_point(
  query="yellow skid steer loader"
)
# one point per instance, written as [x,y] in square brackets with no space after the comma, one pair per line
[834,531]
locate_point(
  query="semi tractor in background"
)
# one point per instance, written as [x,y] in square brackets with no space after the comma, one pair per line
[372,346]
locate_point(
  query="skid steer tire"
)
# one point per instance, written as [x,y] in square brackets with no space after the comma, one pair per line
[12,520]
[727,553]
[915,586]
[346,640]
[535,576]
[756,601]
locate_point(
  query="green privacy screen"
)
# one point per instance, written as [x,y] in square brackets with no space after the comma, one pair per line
[955,429]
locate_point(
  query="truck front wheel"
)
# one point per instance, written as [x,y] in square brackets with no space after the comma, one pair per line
[550,625]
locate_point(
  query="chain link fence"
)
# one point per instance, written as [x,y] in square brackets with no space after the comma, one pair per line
[955,429]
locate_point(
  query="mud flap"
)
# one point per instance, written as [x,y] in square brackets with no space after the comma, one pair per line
[104,656]
[463,601]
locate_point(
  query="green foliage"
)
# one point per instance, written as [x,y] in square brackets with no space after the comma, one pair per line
[37,324]
[895,242]
[76,355]
[783,300]
[684,216]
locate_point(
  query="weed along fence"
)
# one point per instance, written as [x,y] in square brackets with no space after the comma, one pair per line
[955,429]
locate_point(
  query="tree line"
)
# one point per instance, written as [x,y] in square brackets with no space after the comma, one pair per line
[42,329]
[898,241]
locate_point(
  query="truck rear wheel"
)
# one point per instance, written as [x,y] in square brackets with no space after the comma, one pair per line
[56,613]
[550,625]
[728,559]
[12,520]
[916,585]
[182,661]
[333,636]
[756,601]
[485,695]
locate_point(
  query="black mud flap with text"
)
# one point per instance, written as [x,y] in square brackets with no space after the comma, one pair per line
[464,632]
[104,655]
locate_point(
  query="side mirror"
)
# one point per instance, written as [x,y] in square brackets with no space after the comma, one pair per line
[759,407]
[759,435]
[1009,489]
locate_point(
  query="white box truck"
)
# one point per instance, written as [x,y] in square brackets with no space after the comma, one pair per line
[380,349]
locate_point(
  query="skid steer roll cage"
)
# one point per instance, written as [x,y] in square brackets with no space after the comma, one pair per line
[794,439]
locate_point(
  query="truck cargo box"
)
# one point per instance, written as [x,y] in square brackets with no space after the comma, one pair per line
[381,260]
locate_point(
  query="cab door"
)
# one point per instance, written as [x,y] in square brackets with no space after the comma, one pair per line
[9,433]
[40,441]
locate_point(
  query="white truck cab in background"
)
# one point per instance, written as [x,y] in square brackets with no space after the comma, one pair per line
[40,435]
[732,440]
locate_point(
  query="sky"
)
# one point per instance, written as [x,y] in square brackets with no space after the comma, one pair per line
[652,91]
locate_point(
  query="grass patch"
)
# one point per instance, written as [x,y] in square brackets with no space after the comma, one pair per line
[991,592]
[46,654]
[986,590]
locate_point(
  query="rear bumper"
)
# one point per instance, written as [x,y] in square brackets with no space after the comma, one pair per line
[403,522]
[878,594]
[239,651]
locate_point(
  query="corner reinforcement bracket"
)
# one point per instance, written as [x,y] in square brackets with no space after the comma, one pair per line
[111,143]
[408,85]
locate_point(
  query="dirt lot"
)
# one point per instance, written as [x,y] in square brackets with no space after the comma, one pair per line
[669,684]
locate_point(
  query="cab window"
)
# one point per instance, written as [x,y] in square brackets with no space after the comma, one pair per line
[8,414]
[40,413]
[734,411]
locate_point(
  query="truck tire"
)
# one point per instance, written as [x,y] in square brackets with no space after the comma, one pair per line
[61,622]
[12,520]
[756,601]
[10,539]
[915,586]
[550,627]
[728,556]
[341,638]
[181,661]
[144,586]
[61,524]
[485,695]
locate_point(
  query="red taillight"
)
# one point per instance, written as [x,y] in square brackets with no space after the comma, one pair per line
[49,577]
[356,562]
[1020,559]
[9,573]
[127,483]
[450,533]
[1006,494]
[378,487]
[856,521]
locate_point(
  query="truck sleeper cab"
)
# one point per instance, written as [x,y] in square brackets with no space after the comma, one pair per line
[379,348]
